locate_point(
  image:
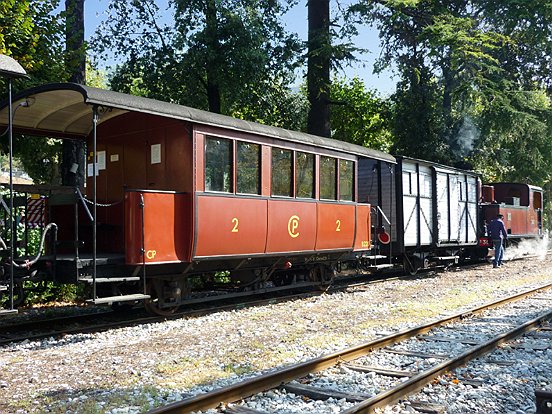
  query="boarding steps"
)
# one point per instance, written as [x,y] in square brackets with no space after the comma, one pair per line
[118,298]
[377,266]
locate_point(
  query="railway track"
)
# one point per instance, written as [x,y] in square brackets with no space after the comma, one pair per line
[105,320]
[471,334]
[101,321]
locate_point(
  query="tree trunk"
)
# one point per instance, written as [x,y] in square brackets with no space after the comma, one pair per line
[73,157]
[213,46]
[318,71]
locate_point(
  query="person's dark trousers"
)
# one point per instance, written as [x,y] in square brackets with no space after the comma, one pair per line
[499,252]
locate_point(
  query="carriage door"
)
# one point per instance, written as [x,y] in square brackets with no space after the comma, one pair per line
[447,207]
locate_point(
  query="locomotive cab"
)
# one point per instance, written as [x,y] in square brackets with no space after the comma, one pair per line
[520,204]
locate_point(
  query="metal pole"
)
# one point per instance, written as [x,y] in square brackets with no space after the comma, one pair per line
[94,215]
[11,221]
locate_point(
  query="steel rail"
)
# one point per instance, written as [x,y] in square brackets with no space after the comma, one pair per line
[420,380]
[10,333]
[274,379]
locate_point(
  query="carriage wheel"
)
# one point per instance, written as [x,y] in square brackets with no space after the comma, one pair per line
[322,275]
[411,264]
[152,305]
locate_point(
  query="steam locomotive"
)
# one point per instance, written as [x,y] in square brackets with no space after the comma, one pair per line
[179,200]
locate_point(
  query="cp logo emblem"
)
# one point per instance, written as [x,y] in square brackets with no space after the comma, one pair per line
[293,225]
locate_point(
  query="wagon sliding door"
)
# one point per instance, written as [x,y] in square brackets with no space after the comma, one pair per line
[417,205]
[456,207]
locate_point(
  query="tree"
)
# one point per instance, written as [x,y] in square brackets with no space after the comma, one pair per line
[318,72]
[213,55]
[31,31]
[73,152]
[359,116]
[463,64]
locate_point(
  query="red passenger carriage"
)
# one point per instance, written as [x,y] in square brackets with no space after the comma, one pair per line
[177,194]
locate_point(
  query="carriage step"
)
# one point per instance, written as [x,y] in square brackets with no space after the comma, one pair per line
[380,266]
[110,279]
[3,288]
[7,312]
[120,298]
[445,258]
[374,257]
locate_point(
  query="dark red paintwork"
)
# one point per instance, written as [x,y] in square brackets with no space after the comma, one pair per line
[167,227]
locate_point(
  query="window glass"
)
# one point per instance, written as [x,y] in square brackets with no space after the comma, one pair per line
[281,172]
[328,178]
[537,200]
[304,171]
[218,164]
[248,168]
[346,180]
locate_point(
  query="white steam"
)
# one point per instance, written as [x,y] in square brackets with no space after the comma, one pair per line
[538,247]
[466,137]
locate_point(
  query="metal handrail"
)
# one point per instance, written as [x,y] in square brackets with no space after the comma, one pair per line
[81,197]
[383,215]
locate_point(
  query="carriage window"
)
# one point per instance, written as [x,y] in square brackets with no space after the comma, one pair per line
[346,180]
[537,200]
[248,168]
[281,172]
[328,178]
[304,171]
[218,164]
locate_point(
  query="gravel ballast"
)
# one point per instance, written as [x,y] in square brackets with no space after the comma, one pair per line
[131,370]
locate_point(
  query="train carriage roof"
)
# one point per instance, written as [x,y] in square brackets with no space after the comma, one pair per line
[65,110]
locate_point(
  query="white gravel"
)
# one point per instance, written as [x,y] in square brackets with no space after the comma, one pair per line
[134,369]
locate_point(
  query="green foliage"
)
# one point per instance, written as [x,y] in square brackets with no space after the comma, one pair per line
[475,81]
[359,116]
[39,157]
[276,105]
[46,292]
[32,32]
[229,56]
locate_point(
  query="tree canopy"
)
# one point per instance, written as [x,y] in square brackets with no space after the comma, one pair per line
[474,81]
[214,55]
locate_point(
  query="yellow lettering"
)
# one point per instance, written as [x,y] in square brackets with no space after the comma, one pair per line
[338,224]
[236,222]
[150,254]
[293,225]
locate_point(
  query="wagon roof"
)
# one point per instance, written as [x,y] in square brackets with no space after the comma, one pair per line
[65,110]
[438,166]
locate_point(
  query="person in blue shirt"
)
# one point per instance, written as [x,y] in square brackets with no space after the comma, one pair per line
[497,232]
